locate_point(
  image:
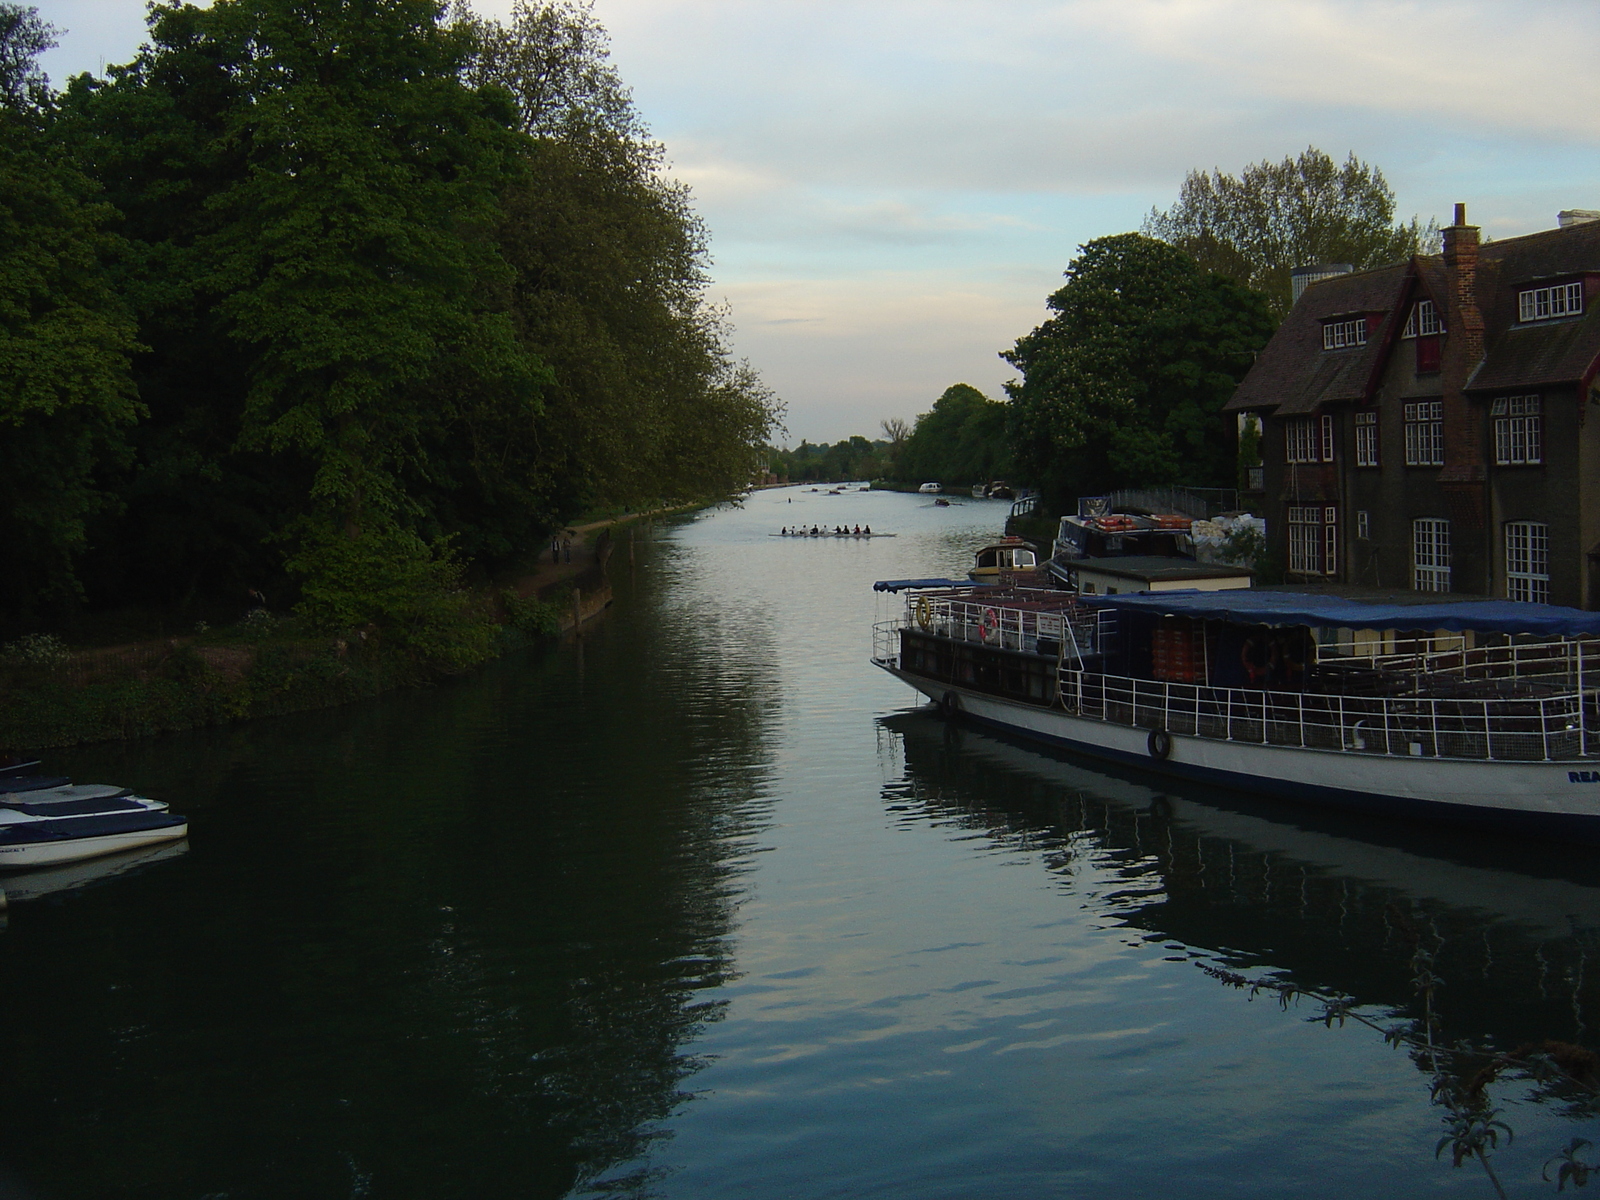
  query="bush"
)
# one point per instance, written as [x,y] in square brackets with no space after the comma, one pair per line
[41,650]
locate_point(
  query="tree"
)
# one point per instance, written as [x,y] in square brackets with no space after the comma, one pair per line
[610,279]
[65,340]
[962,440]
[1125,385]
[1274,217]
[23,38]
[314,194]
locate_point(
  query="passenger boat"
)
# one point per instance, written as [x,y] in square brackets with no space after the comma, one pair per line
[47,826]
[1482,711]
[931,489]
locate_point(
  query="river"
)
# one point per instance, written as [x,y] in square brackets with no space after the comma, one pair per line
[700,904]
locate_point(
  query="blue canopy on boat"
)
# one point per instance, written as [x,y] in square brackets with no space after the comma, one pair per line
[904,585]
[1245,607]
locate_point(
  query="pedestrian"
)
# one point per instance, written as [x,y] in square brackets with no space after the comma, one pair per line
[566,548]
[555,551]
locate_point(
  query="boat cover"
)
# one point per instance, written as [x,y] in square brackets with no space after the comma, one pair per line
[904,585]
[87,827]
[1243,607]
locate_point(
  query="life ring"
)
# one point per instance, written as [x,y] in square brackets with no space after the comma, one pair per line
[1159,743]
[924,614]
[988,625]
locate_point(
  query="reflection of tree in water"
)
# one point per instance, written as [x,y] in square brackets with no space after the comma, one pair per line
[457,943]
[1297,896]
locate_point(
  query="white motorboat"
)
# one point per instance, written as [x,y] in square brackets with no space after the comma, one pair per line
[59,830]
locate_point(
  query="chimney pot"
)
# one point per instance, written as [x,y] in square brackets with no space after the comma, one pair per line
[1461,214]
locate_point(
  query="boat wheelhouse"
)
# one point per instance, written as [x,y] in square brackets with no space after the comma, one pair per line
[1486,711]
[998,558]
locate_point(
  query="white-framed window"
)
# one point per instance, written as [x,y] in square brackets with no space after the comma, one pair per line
[1366,439]
[1363,524]
[1300,440]
[1540,304]
[1528,561]
[1425,433]
[1518,431]
[1336,335]
[1313,539]
[1423,321]
[1308,439]
[1430,554]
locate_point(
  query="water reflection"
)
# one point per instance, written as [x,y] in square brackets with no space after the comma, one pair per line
[1332,903]
[452,943]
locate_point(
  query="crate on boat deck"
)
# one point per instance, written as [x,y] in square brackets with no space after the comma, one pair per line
[1178,652]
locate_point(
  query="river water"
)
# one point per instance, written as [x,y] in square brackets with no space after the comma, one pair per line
[700,904]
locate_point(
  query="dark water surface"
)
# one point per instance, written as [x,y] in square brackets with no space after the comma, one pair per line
[702,905]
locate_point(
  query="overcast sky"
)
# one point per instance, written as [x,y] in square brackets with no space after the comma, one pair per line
[894,188]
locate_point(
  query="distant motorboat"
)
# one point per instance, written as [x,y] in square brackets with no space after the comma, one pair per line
[931,489]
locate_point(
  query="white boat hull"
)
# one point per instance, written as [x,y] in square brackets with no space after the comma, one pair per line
[1547,797]
[62,850]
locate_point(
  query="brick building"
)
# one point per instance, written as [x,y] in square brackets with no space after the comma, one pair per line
[1435,424]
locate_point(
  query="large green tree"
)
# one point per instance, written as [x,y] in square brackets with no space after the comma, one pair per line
[1257,227]
[312,192]
[961,440]
[1124,385]
[66,395]
[610,280]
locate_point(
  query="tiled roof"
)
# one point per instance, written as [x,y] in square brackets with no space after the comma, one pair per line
[1294,374]
[1541,353]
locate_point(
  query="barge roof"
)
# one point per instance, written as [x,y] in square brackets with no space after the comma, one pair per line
[1246,607]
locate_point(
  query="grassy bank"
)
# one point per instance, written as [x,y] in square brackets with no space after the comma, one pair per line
[52,695]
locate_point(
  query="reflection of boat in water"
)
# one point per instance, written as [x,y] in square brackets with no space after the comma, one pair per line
[47,881]
[1313,895]
[1484,711]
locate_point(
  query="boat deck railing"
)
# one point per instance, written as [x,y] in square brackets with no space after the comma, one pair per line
[1528,728]
[1002,621]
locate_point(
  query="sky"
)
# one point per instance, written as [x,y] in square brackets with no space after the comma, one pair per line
[893,189]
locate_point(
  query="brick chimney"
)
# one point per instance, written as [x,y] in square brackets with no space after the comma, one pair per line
[1462,320]
[1465,473]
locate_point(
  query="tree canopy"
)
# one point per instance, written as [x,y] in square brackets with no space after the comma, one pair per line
[1257,227]
[333,290]
[1124,385]
[961,440]
[66,340]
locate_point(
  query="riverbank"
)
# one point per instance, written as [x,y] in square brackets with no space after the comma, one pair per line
[52,695]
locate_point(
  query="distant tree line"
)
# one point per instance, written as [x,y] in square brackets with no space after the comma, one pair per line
[852,458]
[332,301]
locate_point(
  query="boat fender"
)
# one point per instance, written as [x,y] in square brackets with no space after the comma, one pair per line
[949,705]
[924,614]
[1159,743]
